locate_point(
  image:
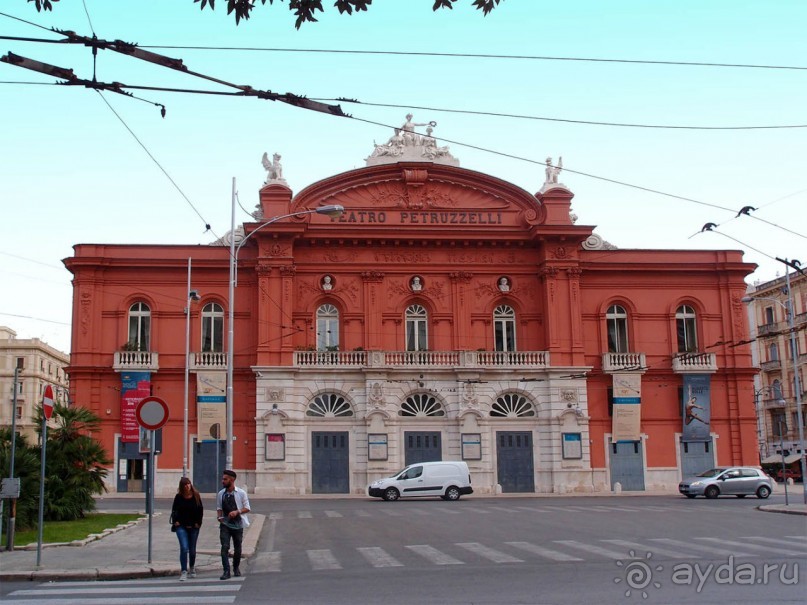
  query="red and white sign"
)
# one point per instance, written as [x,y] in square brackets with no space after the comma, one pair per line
[47,402]
[152,413]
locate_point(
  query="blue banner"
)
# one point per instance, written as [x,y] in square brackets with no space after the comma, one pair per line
[697,407]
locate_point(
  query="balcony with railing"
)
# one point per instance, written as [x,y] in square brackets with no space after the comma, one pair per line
[694,363]
[766,329]
[422,359]
[623,362]
[207,360]
[774,404]
[800,318]
[136,360]
[771,365]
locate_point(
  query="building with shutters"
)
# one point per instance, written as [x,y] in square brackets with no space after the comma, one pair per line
[446,314]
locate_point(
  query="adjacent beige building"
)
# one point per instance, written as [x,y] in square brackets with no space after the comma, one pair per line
[41,365]
[776,388]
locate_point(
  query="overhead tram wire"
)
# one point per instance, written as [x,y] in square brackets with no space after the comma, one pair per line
[563,120]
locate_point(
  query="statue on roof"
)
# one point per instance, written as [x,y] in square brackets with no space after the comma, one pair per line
[274,169]
[406,145]
[552,171]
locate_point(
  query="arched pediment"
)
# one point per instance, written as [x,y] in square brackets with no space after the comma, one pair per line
[422,194]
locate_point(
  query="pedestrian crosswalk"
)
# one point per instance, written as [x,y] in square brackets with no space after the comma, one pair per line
[439,509]
[148,591]
[524,552]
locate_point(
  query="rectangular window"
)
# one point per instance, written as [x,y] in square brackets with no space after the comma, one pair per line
[20,363]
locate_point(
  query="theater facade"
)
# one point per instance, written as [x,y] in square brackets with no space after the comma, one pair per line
[446,314]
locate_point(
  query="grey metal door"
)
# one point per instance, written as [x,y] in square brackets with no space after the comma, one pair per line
[696,457]
[330,463]
[514,461]
[627,466]
[422,447]
[209,460]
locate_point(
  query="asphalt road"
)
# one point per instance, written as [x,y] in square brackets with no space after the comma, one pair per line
[530,550]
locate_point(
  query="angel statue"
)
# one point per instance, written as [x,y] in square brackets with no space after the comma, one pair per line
[552,172]
[274,170]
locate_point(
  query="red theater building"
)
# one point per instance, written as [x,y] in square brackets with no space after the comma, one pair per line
[446,314]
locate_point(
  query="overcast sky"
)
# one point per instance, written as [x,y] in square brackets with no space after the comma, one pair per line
[72,172]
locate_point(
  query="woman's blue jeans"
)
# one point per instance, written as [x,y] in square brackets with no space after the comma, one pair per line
[187,537]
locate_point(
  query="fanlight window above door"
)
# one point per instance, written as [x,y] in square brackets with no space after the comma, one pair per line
[329,405]
[421,405]
[512,405]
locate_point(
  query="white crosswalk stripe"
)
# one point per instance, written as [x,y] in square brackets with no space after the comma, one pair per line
[322,559]
[362,513]
[391,512]
[531,509]
[433,555]
[332,514]
[476,510]
[267,561]
[304,514]
[798,537]
[543,552]
[489,553]
[780,542]
[503,509]
[275,516]
[753,547]
[378,557]
[130,592]
[656,550]
[450,511]
[701,547]
[597,550]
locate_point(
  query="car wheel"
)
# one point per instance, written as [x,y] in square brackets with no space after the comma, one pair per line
[391,494]
[741,495]
[453,493]
[690,495]
[763,491]
[711,492]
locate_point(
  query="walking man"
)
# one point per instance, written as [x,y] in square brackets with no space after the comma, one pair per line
[232,506]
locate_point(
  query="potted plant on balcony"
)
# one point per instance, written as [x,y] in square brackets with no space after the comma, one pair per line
[130,345]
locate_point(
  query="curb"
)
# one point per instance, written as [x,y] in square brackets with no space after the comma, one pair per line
[779,508]
[129,572]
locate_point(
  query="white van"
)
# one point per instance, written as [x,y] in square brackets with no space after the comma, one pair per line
[449,480]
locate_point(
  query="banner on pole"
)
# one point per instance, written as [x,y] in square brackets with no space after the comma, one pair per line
[211,405]
[135,386]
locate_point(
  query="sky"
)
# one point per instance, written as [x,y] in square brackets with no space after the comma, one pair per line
[73,168]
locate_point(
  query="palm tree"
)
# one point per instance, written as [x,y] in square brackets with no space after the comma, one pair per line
[26,467]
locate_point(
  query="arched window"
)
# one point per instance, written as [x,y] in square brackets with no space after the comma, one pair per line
[687,329]
[212,328]
[616,319]
[773,352]
[417,320]
[504,328]
[329,405]
[421,405]
[139,327]
[327,328]
[512,405]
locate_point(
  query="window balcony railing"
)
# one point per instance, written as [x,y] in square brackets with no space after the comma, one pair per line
[623,362]
[208,360]
[694,363]
[800,318]
[771,365]
[422,359]
[766,329]
[136,360]
[778,403]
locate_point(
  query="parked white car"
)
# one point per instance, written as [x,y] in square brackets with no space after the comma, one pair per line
[446,479]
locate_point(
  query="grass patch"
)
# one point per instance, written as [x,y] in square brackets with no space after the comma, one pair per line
[67,531]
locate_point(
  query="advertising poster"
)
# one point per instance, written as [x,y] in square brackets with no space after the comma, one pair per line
[627,418]
[211,405]
[697,407]
[134,387]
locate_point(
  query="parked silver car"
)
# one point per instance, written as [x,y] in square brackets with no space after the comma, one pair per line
[740,481]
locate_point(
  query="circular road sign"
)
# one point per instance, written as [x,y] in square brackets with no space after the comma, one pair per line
[47,402]
[152,413]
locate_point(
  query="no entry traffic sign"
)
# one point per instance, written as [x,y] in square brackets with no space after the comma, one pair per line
[152,413]
[47,402]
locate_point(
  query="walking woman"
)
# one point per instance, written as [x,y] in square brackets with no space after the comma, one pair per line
[187,512]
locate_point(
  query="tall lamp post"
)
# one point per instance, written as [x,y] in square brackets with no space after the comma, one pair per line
[193,295]
[796,382]
[330,210]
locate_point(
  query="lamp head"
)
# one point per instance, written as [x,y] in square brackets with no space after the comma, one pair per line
[194,295]
[332,210]
[747,299]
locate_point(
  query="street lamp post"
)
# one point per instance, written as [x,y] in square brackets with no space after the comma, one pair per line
[796,382]
[331,210]
[193,295]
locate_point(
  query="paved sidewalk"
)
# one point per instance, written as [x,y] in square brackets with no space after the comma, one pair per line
[124,554]
[790,509]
